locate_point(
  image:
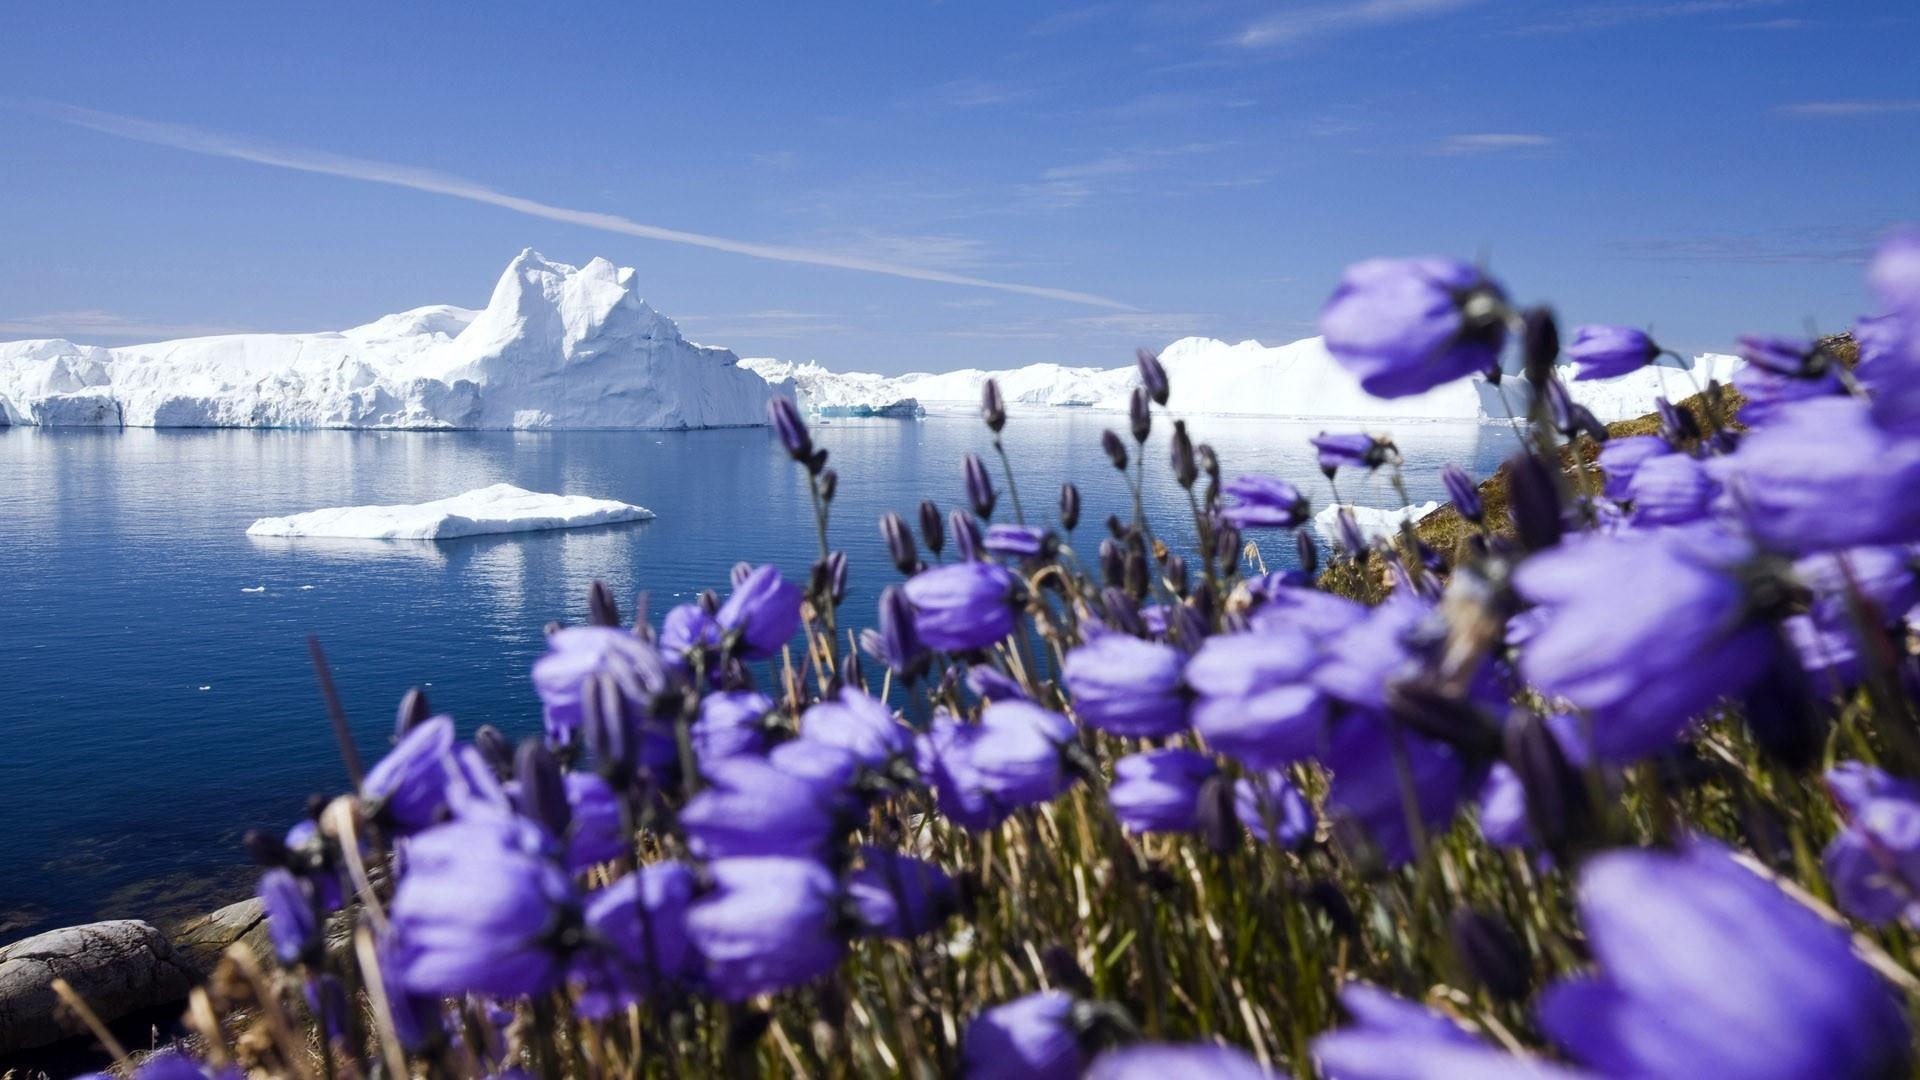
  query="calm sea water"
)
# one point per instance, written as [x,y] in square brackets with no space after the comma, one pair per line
[156,698]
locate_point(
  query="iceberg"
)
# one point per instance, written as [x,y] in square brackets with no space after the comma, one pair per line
[1297,381]
[556,346]
[500,508]
[1375,524]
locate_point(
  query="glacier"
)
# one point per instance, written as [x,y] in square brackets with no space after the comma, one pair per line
[557,346]
[1297,381]
[1375,524]
[499,508]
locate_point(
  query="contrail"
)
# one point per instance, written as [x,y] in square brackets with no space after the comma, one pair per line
[200,141]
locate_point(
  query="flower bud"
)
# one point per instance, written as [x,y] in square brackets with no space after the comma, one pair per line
[893,528]
[1121,612]
[1116,528]
[931,529]
[993,408]
[413,712]
[1559,405]
[1541,345]
[1208,460]
[1491,954]
[1139,414]
[602,610]
[966,536]
[604,722]
[980,493]
[817,462]
[1185,469]
[1783,715]
[1136,578]
[787,424]
[1559,809]
[709,600]
[837,576]
[1069,507]
[1115,450]
[1176,567]
[1464,494]
[739,573]
[543,791]
[829,483]
[850,672]
[1308,553]
[1535,502]
[1226,545]
[1153,376]
[1113,564]
[265,849]
[494,747]
[1351,537]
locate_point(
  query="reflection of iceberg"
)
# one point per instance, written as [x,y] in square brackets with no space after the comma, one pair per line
[500,508]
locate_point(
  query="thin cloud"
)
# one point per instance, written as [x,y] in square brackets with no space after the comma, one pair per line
[1491,143]
[1330,20]
[75,325]
[1608,16]
[1849,108]
[199,141]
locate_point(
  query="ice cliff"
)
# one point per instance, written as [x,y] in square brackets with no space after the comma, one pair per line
[555,347]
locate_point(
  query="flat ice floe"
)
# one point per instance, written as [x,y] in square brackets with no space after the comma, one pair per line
[1375,524]
[500,508]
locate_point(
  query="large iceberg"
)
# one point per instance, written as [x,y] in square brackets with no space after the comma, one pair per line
[1375,524]
[1296,381]
[500,508]
[555,347]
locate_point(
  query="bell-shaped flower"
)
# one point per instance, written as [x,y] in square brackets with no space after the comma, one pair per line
[1256,702]
[1403,326]
[1394,1039]
[732,723]
[1163,1061]
[1606,352]
[751,806]
[1383,776]
[899,896]
[574,655]
[1621,458]
[1264,501]
[1029,1038]
[962,606]
[1704,968]
[483,908]
[1127,686]
[408,788]
[1270,808]
[1824,475]
[292,925]
[1672,489]
[763,610]
[595,832]
[638,926]
[860,724]
[1159,790]
[767,924]
[1874,861]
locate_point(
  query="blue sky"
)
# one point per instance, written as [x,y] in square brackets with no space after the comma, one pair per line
[1147,171]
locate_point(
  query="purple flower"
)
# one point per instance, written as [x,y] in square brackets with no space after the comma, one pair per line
[1621,458]
[1706,969]
[1352,451]
[173,1065]
[899,896]
[1644,660]
[785,417]
[1159,790]
[1823,475]
[1503,797]
[1363,661]
[1605,352]
[980,494]
[1153,375]
[1889,369]
[1020,756]
[944,755]
[752,807]
[1394,1039]
[574,656]
[764,610]
[1768,392]
[688,628]
[1265,500]
[1273,810]
[1256,703]
[409,785]
[1403,326]
[1894,273]
[1377,770]
[1462,492]
[1126,686]
[1029,1038]
[596,833]
[859,723]
[990,684]
[766,925]
[478,910]
[1874,861]
[829,768]
[896,643]
[962,606]
[640,925]
[1164,1061]
[1017,541]
[1672,489]
[292,925]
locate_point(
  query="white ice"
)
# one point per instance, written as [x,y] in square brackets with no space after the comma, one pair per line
[501,508]
[1375,524]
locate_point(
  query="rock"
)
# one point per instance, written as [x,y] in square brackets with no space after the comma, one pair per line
[198,943]
[116,967]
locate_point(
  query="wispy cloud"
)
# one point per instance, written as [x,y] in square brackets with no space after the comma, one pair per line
[1302,24]
[1073,184]
[1608,16]
[1828,109]
[980,94]
[215,144]
[85,325]
[1492,143]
